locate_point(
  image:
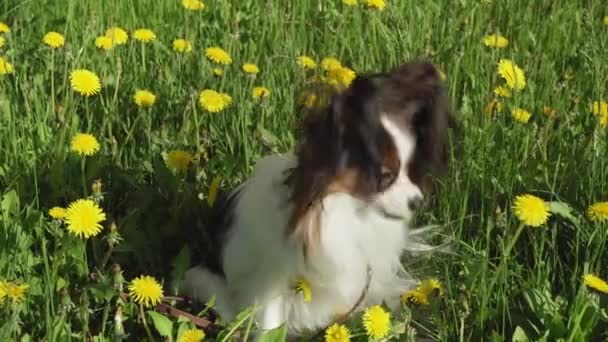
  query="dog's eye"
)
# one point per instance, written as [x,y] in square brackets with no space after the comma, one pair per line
[387,177]
[422,117]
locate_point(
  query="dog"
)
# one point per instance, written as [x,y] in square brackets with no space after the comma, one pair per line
[334,215]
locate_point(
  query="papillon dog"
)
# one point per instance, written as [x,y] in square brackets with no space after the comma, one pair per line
[333,216]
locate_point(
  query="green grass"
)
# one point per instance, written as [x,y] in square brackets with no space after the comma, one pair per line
[501,278]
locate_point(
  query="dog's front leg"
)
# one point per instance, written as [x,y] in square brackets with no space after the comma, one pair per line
[270,316]
[273,314]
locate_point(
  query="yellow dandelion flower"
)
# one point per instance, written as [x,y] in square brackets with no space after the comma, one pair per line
[377,4]
[213,101]
[550,112]
[442,75]
[144,35]
[179,160]
[218,72]
[310,100]
[330,63]
[4,28]
[85,82]
[306,62]
[350,2]
[213,190]
[569,76]
[193,5]
[493,106]
[84,144]
[599,108]
[145,290]
[431,286]
[376,322]
[250,68]
[83,218]
[337,333]
[604,121]
[606,20]
[259,93]
[521,115]
[12,291]
[2,41]
[419,296]
[340,78]
[512,74]
[414,297]
[531,210]
[192,335]
[303,286]
[57,213]
[182,45]
[5,67]
[144,98]
[496,41]
[598,212]
[54,39]
[218,55]
[104,42]
[117,35]
[596,283]
[502,91]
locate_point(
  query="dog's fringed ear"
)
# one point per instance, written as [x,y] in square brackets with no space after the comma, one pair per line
[350,98]
[419,71]
[353,113]
[339,116]
[334,117]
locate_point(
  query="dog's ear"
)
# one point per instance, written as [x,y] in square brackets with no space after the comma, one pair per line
[419,72]
[354,120]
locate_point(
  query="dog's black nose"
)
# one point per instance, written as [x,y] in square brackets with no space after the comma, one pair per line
[414,202]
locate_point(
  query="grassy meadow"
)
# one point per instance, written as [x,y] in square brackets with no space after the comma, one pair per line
[512,274]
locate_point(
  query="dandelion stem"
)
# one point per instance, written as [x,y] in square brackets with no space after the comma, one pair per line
[149,128]
[143,56]
[248,330]
[511,244]
[88,114]
[143,319]
[187,33]
[505,256]
[83,175]
[238,324]
[52,81]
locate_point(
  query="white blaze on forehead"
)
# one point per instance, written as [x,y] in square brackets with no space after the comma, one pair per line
[403,140]
[395,199]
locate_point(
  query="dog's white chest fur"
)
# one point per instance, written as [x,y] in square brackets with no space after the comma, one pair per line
[261,263]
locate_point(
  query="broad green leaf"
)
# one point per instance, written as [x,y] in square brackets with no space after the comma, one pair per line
[557,328]
[60,283]
[562,209]
[278,334]
[180,263]
[102,291]
[10,203]
[266,137]
[163,325]
[519,335]
[182,329]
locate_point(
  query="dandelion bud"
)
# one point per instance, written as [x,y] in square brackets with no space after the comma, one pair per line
[96,188]
[119,329]
[118,278]
[114,238]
